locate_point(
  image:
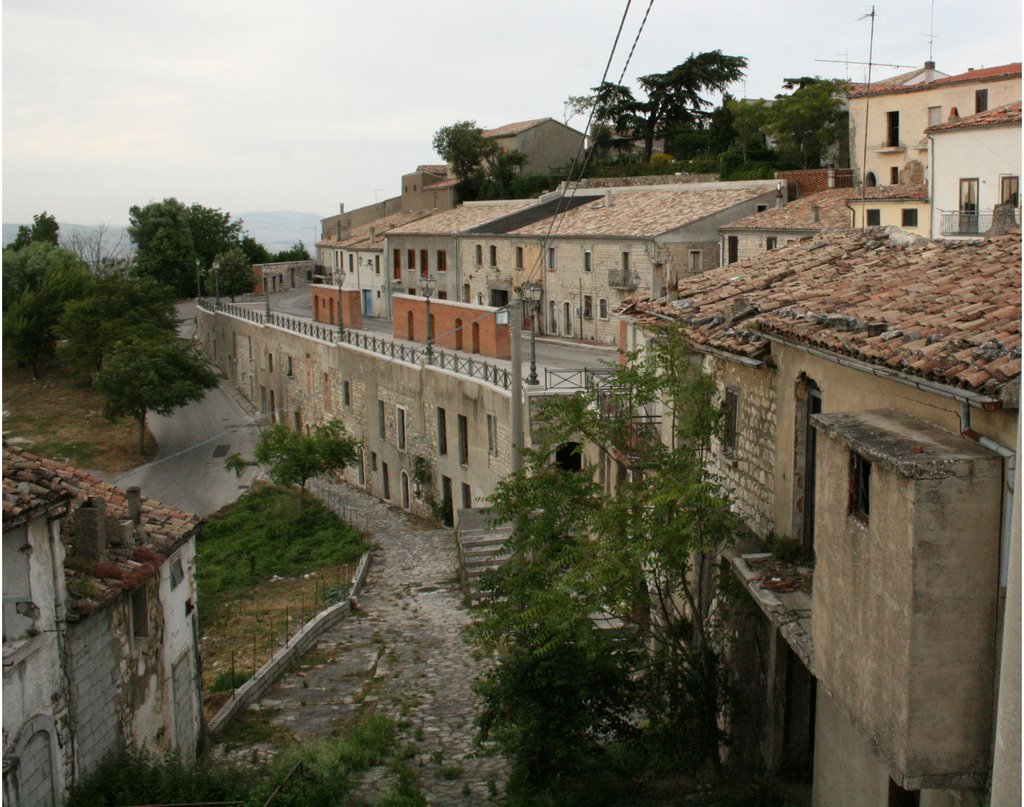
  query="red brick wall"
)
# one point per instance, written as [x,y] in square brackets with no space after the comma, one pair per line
[812,180]
[479,333]
[325,306]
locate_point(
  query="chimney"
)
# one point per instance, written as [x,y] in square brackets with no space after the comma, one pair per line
[90,536]
[135,505]
[373,234]
[1003,220]
[778,195]
[831,182]
[954,114]
[929,65]
[608,197]
[815,214]
[341,208]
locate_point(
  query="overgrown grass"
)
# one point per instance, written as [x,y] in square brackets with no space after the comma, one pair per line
[322,773]
[262,535]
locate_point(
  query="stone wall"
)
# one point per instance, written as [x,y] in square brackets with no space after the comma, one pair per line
[94,676]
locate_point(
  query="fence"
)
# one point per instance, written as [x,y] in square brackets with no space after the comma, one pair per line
[586,378]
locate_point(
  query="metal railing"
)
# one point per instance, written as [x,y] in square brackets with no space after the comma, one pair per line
[467,365]
[975,223]
[586,378]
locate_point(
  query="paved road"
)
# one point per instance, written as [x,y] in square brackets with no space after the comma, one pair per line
[188,472]
[406,653]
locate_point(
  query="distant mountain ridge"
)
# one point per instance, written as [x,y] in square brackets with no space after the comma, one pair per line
[276,230]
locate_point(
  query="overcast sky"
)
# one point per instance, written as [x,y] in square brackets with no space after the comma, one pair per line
[301,105]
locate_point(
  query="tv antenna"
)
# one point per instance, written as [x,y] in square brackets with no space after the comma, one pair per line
[867,112]
[931,31]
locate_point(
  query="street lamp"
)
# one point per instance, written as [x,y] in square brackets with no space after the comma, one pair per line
[266,294]
[216,281]
[340,277]
[427,285]
[198,287]
[532,291]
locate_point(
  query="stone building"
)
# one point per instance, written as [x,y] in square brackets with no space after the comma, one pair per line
[871,383]
[100,641]
[547,144]
[594,248]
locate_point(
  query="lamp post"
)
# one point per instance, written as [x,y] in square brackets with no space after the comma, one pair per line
[341,324]
[198,287]
[266,294]
[427,285]
[216,281]
[533,292]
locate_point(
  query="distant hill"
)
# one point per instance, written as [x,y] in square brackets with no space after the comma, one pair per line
[277,230]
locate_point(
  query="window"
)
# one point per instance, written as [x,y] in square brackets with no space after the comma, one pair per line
[625,261]
[968,196]
[346,393]
[424,263]
[479,255]
[385,480]
[760,208]
[519,257]
[381,427]
[326,385]
[400,428]
[588,307]
[908,217]
[696,260]
[870,180]
[441,295]
[860,486]
[894,175]
[442,431]
[492,254]
[874,217]
[140,613]
[771,242]
[731,408]
[360,470]
[587,258]
[1009,191]
[376,264]
[463,440]
[351,263]
[270,362]
[405,490]
[551,257]
[396,264]
[410,257]
[980,101]
[934,115]
[602,309]
[177,572]
[492,434]
[733,248]
[373,461]
[467,496]
[892,128]
[442,261]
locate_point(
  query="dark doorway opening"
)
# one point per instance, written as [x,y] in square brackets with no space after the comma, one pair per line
[569,457]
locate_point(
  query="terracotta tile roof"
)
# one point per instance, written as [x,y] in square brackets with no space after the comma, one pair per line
[642,214]
[461,218]
[949,313]
[444,183]
[359,237]
[512,129]
[1007,115]
[882,193]
[127,564]
[799,215]
[970,77]
[30,489]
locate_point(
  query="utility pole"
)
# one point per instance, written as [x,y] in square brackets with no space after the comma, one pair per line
[516,387]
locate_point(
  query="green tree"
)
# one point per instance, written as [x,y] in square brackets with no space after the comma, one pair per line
[809,122]
[39,281]
[293,458]
[503,169]
[254,251]
[44,230]
[213,232]
[152,375]
[235,272]
[114,309]
[165,250]
[644,558]
[297,252]
[750,122]
[673,98]
[463,146]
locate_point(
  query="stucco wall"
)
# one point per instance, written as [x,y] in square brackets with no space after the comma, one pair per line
[408,279]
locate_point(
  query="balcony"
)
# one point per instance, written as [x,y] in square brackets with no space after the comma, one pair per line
[623,279]
[889,148]
[969,224]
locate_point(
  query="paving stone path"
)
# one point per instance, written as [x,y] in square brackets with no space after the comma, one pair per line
[405,652]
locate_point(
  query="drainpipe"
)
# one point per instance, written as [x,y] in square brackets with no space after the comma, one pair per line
[1010,493]
[931,185]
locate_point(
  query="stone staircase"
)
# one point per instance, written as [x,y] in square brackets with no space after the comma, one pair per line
[481,548]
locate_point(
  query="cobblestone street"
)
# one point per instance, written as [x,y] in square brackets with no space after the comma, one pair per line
[404,651]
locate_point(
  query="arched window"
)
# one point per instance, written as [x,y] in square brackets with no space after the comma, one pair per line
[870,180]
[458,334]
[409,334]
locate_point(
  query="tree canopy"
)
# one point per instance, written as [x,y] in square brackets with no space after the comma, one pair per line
[808,122]
[152,375]
[606,619]
[293,458]
[673,98]
[44,230]
[463,146]
[235,272]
